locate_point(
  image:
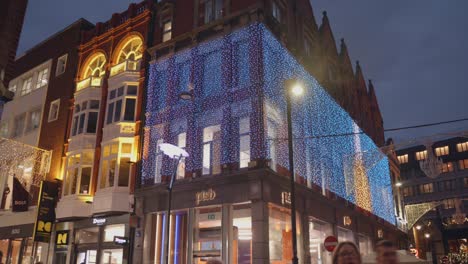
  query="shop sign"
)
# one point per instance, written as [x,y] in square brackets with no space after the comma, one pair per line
[20,197]
[211,217]
[61,238]
[205,196]
[45,211]
[122,241]
[330,243]
[285,198]
[347,220]
[15,231]
[99,221]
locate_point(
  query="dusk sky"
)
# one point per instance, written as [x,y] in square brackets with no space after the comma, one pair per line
[415,51]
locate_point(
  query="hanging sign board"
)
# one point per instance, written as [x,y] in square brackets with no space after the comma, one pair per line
[45,211]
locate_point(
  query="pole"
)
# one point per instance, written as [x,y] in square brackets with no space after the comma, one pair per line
[292,176]
[169,204]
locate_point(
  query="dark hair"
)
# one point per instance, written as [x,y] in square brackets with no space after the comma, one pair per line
[338,248]
[384,243]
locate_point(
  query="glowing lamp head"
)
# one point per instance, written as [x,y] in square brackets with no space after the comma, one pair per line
[418,227]
[398,184]
[427,235]
[297,89]
[173,151]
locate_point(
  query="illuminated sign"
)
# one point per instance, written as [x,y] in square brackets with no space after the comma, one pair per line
[205,196]
[61,238]
[15,231]
[45,212]
[118,240]
[285,198]
[99,221]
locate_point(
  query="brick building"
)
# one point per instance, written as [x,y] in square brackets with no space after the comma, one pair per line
[434,202]
[37,118]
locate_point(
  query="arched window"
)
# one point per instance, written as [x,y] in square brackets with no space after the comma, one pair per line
[96,66]
[131,50]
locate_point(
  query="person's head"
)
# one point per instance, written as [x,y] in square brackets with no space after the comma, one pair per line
[346,253]
[214,261]
[386,252]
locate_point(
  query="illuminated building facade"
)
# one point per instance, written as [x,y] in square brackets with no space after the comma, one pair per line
[439,205]
[233,189]
[98,164]
[32,128]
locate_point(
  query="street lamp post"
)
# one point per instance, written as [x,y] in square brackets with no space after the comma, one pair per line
[177,153]
[292,86]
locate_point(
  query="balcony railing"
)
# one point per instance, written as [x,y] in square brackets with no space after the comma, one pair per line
[128,65]
[89,82]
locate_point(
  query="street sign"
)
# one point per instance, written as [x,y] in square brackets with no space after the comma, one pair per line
[330,243]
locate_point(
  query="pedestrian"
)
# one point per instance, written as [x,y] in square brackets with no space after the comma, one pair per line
[386,252]
[214,261]
[346,253]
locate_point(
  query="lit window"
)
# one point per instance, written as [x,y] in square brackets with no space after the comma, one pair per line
[78,173]
[408,191]
[109,165]
[111,231]
[27,86]
[85,117]
[461,147]
[307,47]
[442,151]
[181,143]
[244,146]
[158,163]
[213,10]
[167,31]
[61,65]
[449,203]
[447,167]
[463,164]
[54,110]
[421,155]
[212,150]
[19,125]
[276,11]
[34,119]
[426,188]
[42,78]
[122,103]
[403,159]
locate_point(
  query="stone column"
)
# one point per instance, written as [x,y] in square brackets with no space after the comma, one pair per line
[260,233]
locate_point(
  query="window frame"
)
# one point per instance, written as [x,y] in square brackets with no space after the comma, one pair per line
[210,144]
[244,134]
[61,58]
[17,133]
[442,151]
[462,146]
[42,81]
[116,156]
[56,103]
[166,33]
[76,121]
[213,10]
[402,159]
[24,90]
[78,166]
[276,11]
[123,98]
[421,155]
[426,188]
[28,127]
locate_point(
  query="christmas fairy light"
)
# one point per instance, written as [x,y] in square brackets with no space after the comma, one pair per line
[241,76]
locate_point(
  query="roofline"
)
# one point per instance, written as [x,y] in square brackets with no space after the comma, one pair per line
[81,20]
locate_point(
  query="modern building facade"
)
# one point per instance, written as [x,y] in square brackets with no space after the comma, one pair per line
[33,127]
[102,140]
[437,207]
[232,192]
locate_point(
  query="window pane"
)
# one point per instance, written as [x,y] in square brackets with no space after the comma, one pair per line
[118,110]
[92,122]
[126,148]
[19,125]
[94,104]
[206,158]
[124,171]
[112,164]
[111,231]
[132,90]
[129,114]
[110,112]
[85,180]
[112,94]
[244,151]
[115,149]
[120,91]
[80,127]
[104,170]
[88,235]
[75,125]
[74,180]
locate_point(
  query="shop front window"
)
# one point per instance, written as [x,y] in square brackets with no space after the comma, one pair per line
[242,230]
[87,235]
[207,239]
[345,235]
[280,235]
[112,256]
[178,238]
[365,245]
[318,231]
[111,231]
[86,257]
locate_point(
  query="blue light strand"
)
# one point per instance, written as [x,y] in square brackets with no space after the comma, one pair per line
[231,82]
